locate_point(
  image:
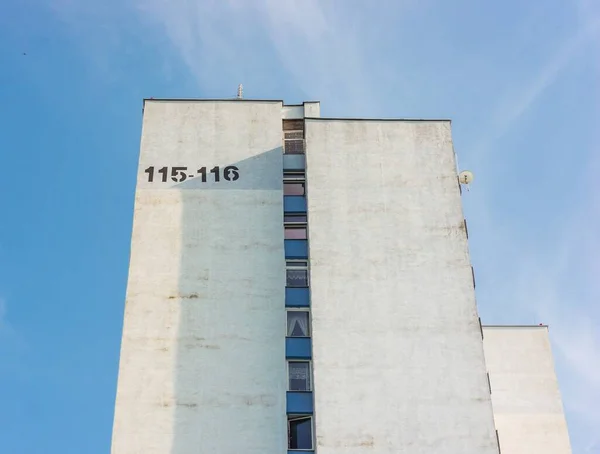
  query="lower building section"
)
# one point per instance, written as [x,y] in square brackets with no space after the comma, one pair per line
[528,410]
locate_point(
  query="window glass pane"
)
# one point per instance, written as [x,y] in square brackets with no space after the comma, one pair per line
[300,433]
[294,147]
[296,278]
[293,188]
[295,233]
[294,218]
[297,324]
[299,376]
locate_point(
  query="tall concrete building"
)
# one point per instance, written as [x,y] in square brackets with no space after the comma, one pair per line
[303,284]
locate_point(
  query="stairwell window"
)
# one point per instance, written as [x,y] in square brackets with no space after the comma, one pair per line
[298,323]
[293,188]
[300,432]
[293,136]
[299,376]
[294,218]
[294,182]
[293,142]
[296,273]
[293,125]
[296,232]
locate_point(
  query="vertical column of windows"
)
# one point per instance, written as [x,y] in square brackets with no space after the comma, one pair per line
[299,400]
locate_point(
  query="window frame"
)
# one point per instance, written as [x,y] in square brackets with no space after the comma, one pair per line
[294,223]
[301,183]
[296,264]
[310,378]
[312,431]
[294,139]
[292,124]
[294,175]
[297,309]
[295,226]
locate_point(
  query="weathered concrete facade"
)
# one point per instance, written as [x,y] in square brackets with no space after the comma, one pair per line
[202,360]
[527,405]
[397,349]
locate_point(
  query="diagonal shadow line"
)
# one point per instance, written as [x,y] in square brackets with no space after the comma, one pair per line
[252,175]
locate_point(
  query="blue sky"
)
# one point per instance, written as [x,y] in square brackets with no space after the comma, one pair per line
[520,80]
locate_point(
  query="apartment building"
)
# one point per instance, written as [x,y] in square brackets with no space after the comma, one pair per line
[303,284]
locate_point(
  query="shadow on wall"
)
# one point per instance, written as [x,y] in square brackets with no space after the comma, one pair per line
[250,174]
[230,364]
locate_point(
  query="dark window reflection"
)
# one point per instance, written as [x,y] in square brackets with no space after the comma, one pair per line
[300,432]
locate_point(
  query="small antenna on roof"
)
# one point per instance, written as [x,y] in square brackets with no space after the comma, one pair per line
[240,93]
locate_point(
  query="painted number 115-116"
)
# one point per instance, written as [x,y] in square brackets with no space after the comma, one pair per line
[179,174]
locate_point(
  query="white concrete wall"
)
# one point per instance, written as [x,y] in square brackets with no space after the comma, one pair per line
[307,109]
[292,112]
[397,348]
[202,365]
[527,405]
[312,109]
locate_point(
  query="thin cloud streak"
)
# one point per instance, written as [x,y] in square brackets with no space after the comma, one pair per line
[508,111]
[321,45]
[323,58]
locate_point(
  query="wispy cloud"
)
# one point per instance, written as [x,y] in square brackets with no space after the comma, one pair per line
[322,46]
[518,101]
[512,108]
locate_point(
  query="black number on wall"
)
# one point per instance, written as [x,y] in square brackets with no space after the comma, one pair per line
[231,173]
[180,173]
[202,173]
[163,172]
[215,171]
